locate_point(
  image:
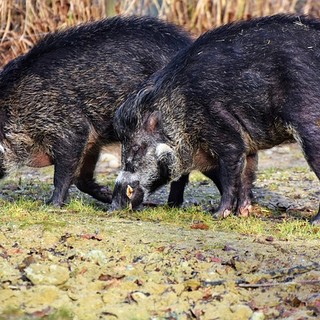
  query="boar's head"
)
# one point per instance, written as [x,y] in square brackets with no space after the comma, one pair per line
[148,158]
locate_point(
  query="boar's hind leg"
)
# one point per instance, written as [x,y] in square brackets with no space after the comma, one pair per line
[86,182]
[245,197]
[231,166]
[248,176]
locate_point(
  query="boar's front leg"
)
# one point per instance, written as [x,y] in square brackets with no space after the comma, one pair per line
[67,156]
[245,197]
[308,130]
[175,198]
[86,182]
[177,187]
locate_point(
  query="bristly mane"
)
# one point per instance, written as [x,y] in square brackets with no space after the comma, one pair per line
[102,29]
[243,25]
[90,34]
[230,30]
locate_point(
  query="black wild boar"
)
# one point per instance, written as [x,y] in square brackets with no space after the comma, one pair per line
[57,101]
[238,89]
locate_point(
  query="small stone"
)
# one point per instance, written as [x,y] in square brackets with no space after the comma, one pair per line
[257,315]
[139,296]
[241,311]
[47,274]
[96,256]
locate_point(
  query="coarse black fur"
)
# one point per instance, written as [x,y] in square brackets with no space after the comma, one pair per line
[238,89]
[58,100]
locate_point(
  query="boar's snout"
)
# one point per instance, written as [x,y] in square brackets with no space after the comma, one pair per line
[127,193]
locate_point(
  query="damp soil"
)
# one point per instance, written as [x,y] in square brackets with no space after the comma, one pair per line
[106,267]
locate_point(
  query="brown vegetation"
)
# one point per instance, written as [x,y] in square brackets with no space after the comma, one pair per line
[22,22]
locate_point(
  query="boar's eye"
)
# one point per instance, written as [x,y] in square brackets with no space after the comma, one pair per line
[139,149]
[134,156]
[135,149]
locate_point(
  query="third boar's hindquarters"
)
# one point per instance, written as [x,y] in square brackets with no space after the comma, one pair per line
[57,102]
[237,89]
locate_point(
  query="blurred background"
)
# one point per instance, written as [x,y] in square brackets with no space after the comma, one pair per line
[22,22]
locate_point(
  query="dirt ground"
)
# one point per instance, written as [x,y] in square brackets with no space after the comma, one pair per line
[97,267]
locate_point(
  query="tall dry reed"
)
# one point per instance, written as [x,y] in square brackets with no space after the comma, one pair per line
[23,22]
[199,16]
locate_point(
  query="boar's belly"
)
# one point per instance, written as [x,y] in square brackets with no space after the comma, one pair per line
[40,160]
[204,161]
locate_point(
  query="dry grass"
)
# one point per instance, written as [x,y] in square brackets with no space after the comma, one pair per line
[198,16]
[22,22]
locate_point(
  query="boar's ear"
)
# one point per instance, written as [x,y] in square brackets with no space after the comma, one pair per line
[152,123]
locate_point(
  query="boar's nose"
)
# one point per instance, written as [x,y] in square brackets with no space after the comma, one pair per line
[135,194]
[127,195]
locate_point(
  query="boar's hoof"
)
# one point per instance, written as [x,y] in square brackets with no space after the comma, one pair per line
[226,213]
[316,220]
[55,203]
[245,211]
[221,214]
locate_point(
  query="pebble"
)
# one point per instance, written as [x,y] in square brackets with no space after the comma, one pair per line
[42,274]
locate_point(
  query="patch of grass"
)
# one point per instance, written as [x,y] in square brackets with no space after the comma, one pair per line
[18,314]
[82,206]
[247,226]
[23,211]
[297,229]
[197,176]
[25,214]
[264,222]
[182,217]
[61,314]
[12,313]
